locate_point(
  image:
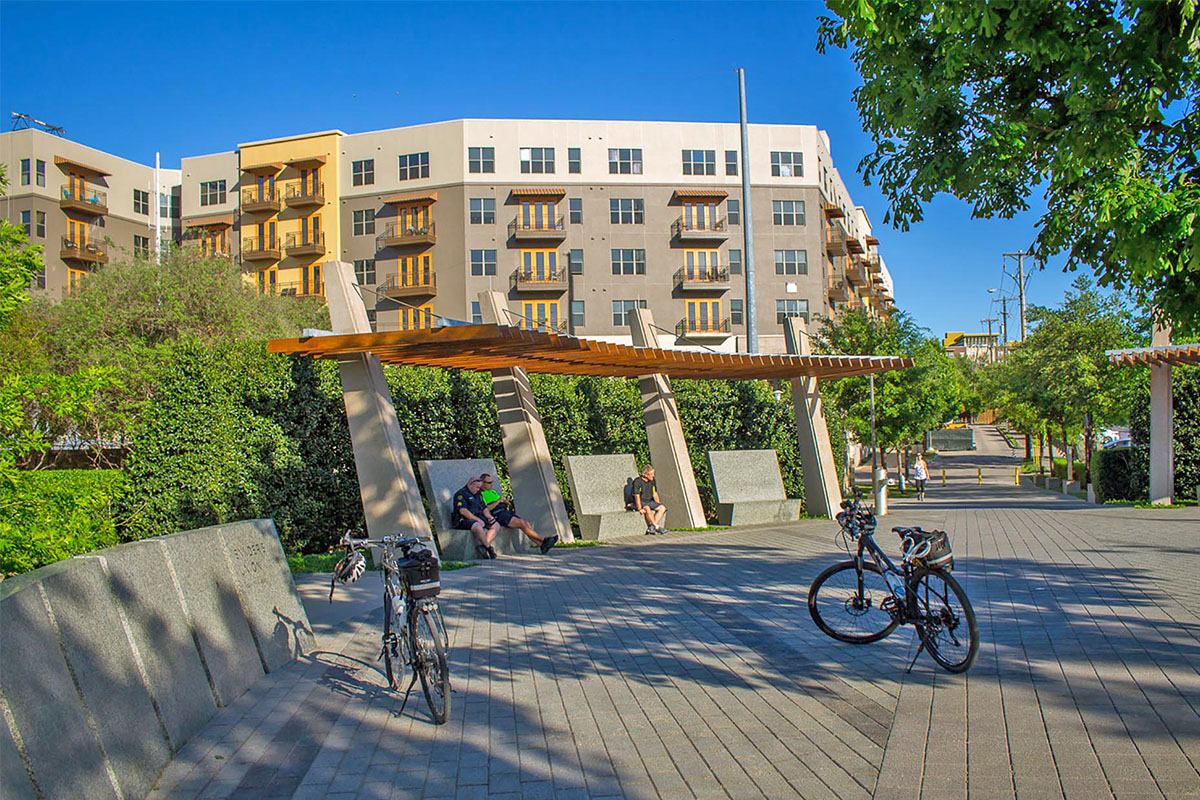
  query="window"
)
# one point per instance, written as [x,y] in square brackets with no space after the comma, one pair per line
[791,262]
[575,261]
[212,193]
[733,211]
[702,265]
[731,162]
[539,266]
[624,161]
[701,217]
[364,221]
[537,160]
[626,210]
[790,308]
[735,262]
[362,173]
[704,316]
[577,314]
[538,215]
[628,261]
[699,162]
[412,319]
[787,165]
[483,262]
[39,280]
[41,172]
[141,246]
[483,210]
[413,166]
[40,230]
[574,164]
[168,206]
[476,313]
[575,206]
[364,271]
[621,309]
[25,171]
[481,159]
[788,212]
[371,318]
[737,315]
[27,222]
[141,202]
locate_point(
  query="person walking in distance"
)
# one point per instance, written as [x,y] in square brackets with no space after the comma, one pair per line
[920,475]
[646,502]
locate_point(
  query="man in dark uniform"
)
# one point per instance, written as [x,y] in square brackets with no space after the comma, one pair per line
[470,514]
[500,507]
[646,502]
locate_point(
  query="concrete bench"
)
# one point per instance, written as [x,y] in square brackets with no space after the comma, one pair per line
[441,480]
[598,491]
[749,488]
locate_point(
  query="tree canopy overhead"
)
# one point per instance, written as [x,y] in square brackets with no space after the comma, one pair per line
[1094,102]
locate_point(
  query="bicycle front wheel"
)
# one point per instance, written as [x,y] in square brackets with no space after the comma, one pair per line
[848,605]
[945,620]
[431,663]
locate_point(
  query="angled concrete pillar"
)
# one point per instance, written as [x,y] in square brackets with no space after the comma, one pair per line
[530,469]
[1162,426]
[668,449]
[390,497]
[822,495]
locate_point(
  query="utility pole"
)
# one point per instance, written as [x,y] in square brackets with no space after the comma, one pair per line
[747,222]
[157,210]
[1004,327]
[991,343]
[1020,278]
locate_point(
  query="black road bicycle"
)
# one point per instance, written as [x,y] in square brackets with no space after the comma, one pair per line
[861,601]
[414,633]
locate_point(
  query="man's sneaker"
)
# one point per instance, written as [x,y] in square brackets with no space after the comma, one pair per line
[651,530]
[491,551]
[547,543]
[661,530]
[482,552]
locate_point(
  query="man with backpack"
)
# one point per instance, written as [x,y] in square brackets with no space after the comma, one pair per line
[644,500]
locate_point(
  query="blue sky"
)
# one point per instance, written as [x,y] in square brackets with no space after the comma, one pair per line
[192,78]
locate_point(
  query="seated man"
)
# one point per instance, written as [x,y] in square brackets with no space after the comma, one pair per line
[500,507]
[646,503]
[471,514]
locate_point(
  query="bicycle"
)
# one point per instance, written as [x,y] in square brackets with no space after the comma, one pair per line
[414,633]
[862,601]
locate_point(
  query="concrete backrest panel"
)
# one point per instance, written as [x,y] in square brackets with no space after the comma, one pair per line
[741,476]
[598,482]
[442,479]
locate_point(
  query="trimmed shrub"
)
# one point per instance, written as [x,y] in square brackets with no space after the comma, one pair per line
[1112,475]
[1185,388]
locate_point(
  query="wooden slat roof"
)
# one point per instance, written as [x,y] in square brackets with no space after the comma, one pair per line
[218,221]
[63,161]
[487,347]
[413,198]
[701,193]
[538,191]
[270,168]
[1153,356]
[306,161]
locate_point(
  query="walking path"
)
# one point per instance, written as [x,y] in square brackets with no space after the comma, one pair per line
[687,665]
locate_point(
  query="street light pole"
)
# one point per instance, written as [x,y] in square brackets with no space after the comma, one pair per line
[747,222]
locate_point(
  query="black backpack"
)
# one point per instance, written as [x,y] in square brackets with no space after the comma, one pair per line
[629,506]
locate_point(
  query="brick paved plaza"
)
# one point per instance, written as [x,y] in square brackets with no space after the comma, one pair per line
[687,665]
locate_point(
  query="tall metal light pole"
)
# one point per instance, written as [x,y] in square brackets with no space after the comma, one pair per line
[747,222]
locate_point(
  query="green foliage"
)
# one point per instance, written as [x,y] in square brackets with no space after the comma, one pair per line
[1185,387]
[49,515]
[1092,103]
[19,263]
[1113,475]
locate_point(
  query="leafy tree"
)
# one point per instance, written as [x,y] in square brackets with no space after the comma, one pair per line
[19,263]
[988,100]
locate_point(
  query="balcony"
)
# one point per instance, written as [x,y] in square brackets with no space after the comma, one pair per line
[255,248]
[290,289]
[703,330]
[699,230]
[421,284]
[304,244]
[258,202]
[400,236]
[835,240]
[85,200]
[856,271]
[88,250]
[840,291]
[303,194]
[702,279]
[546,281]
[538,230]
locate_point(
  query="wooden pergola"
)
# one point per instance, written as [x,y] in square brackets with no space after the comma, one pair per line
[1168,355]
[484,348]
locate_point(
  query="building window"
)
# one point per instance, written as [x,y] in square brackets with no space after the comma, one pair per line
[791,262]
[733,211]
[787,165]
[481,159]
[624,161]
[413,166]
[628,261]
[537,160]
[577,314]
[364,271]
[362,173]
[790,308]
[626,210]
[364,221]
[476,313]
[731,165]
[25,171]
[574,163]
[483,262]
[735,262]
[575,208]
[41,172]
[621,309]
[575,261]
[168,206]
[212,193]
[141,246]
[737,314]
[141,202]
[371,319]
[39,280]
[27,222]
[788,212]
[40,230]
[699,162]
[483,210]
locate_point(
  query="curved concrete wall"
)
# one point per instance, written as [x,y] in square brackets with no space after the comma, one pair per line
[111,661]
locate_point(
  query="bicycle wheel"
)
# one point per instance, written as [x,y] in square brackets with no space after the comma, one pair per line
[847,610]
[945,620]
[431,666]
[390,641]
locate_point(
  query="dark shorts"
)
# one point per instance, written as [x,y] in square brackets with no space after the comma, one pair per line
[653,505]
[464,524]
[503,515]
[920,482]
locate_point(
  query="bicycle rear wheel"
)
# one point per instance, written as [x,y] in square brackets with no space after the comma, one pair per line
[430,659]
[390,641]
[945,620]
[848,610]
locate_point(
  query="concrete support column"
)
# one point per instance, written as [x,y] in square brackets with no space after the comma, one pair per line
[530,469]
[822,494]
[1162,426]
[668,450]
[390,497]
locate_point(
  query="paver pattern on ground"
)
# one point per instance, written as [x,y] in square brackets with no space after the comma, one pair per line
[687,666]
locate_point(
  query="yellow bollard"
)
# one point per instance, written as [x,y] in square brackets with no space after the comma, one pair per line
[943,476]
[980,471]
[1016,476]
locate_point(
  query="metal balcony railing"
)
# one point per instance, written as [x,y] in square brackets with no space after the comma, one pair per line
[300,193]
[423,281]
[699,228]
[90,247]
[539,280]
[397,235]
[84,198]
[702,277]
[256,199]
[537,227]
[260,247]
[702,327]
[305,242]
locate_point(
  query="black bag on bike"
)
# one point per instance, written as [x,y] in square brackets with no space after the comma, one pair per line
[939,555]
[421,575]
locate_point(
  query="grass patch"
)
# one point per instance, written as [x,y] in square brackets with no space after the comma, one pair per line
[580,543]
[1179,502]
[325,562]
[1008,438]
[699,530]
[447,566]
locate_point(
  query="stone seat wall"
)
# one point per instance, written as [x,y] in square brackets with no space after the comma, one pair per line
[598,492]
[441,480]
[749,488]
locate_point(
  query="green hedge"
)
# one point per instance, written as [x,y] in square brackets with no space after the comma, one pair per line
[1185,390]
[1112,475]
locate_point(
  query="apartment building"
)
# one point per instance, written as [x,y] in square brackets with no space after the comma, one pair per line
[83,205]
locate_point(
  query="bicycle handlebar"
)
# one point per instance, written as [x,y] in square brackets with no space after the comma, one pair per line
[386,541]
